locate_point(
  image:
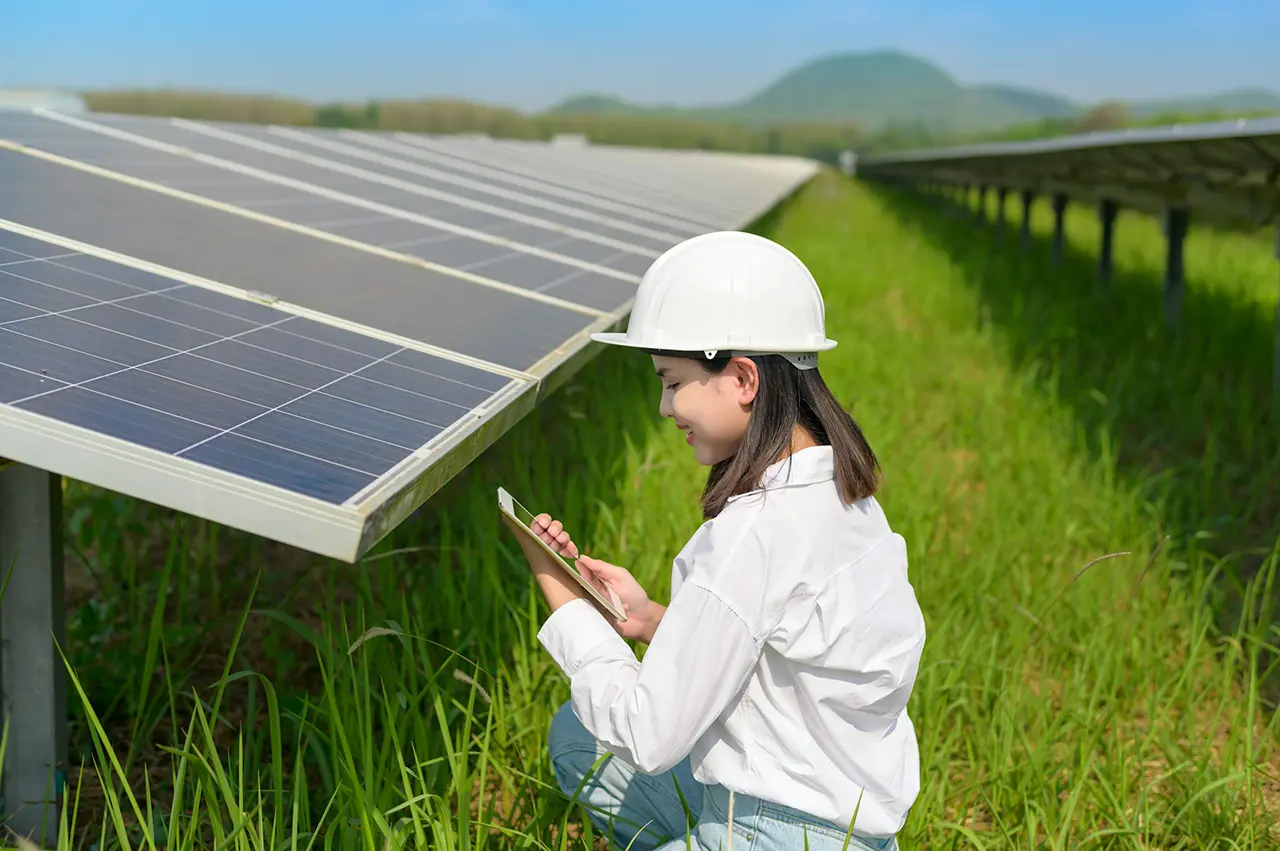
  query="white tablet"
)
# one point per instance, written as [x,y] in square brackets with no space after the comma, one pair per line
[524,520]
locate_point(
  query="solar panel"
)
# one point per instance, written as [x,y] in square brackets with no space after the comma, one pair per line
[296,314]
[718,188]
[502,324]
[346,158]
[445,238]
[531,159]
[410,187]
[501,174]
[203,376]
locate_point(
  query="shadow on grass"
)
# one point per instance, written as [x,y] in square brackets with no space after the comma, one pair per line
[1185,414]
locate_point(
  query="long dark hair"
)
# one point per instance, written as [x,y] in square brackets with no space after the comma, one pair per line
[788,397]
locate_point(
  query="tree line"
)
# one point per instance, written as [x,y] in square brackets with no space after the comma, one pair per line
[817,140]
[822,141]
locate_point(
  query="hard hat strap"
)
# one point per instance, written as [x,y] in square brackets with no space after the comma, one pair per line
[800,360]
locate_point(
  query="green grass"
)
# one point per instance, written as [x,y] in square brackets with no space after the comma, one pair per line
[254,697]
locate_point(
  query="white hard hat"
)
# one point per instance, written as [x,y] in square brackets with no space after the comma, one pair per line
[727,293]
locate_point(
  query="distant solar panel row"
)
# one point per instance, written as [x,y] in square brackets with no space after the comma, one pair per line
[1228,171]
[304,333]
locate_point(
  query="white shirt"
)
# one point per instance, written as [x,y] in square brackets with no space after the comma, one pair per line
[783,664]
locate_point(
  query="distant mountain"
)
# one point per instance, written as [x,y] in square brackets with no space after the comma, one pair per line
[1031,102]
[888,87]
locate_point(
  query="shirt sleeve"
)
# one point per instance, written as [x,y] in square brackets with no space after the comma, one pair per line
[651,714]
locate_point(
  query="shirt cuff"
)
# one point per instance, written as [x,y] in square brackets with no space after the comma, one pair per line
[575,630]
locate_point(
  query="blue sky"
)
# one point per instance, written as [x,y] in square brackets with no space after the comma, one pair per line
[532,54]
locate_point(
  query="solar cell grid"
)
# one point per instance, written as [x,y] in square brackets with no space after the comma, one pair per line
[397,297]
[511,159]
[563,260]
[202,375]
[648,181]
[634,215]
[350,175]
[645,237]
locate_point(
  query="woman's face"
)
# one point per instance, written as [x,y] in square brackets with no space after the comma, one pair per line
[712,409]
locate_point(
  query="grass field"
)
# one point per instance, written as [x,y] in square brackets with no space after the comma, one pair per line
[1029,423]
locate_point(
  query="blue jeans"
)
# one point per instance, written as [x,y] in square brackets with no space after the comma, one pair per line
[644,812]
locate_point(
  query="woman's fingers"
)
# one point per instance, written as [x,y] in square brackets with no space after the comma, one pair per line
[597,581]
[553,533]
[600,568]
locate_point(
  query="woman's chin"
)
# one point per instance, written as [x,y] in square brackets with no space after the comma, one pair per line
[709,456]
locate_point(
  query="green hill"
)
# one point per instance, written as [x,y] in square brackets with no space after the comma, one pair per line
[597,104]
[888,87]
[884,88]
[1031,102]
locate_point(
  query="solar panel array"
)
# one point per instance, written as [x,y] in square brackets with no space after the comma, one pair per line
[303,333]
[1227,171]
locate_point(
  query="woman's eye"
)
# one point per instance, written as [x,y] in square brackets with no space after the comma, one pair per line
[671,386]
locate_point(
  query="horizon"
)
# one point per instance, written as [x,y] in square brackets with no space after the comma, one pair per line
[532,58]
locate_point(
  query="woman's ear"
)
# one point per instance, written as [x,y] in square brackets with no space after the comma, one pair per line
[746,377]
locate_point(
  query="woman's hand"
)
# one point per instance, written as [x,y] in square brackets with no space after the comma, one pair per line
[557,586]
[642,613]
[553,534]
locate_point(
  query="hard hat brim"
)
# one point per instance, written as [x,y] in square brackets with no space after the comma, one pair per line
[613,338]
[619,338]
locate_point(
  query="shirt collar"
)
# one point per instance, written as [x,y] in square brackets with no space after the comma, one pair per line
[809,466]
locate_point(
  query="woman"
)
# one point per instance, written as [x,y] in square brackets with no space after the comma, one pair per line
[776,681]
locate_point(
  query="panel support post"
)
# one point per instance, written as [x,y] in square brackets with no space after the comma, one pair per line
[1001,195]
[1059,216]
[1107,211]
[1028,198]
[32,674]
[982,202]
[1176,220]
